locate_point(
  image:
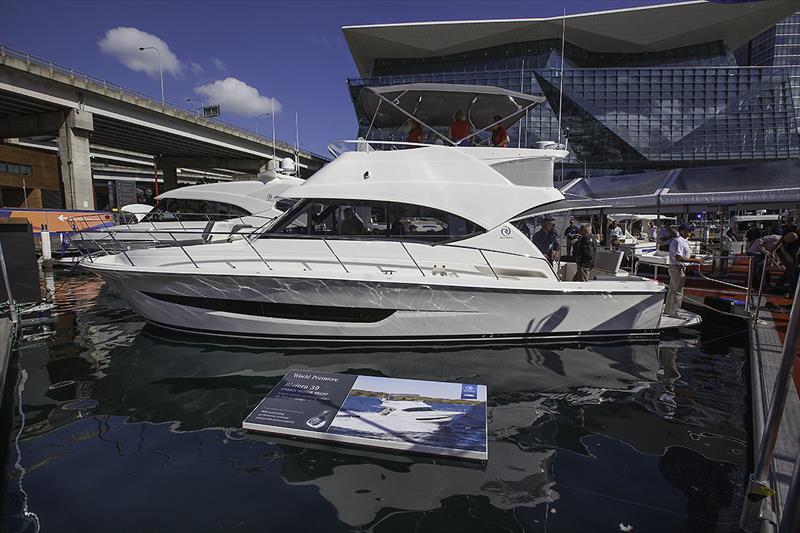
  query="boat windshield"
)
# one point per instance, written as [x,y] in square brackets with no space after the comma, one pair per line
[370,219]
[188,209]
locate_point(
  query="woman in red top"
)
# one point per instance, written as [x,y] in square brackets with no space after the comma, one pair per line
[499,134]
[415,133]
[459,128]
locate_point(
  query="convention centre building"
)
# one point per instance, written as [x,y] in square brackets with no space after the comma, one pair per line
[688,85]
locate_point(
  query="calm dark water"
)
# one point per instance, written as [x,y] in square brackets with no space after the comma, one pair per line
[132,429]
[465,432]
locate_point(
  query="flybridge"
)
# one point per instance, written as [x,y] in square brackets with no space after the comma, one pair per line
[433,105]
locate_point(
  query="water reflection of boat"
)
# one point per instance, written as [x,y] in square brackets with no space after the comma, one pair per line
[394,416]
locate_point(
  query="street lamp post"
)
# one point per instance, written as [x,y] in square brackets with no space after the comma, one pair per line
[160,72]
[199,109]
[272,114]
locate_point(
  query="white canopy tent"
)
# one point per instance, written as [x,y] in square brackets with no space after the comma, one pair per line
[768,185]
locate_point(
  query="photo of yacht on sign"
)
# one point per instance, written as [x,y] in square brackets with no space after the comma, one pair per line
[408,414]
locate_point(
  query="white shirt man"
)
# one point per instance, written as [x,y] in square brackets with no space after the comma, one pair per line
[679,258]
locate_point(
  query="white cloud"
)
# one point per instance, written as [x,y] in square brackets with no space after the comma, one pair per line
[235,96]
[195,67]
[219,64]
[124,43]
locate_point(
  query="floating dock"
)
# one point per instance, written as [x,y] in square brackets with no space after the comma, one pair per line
[766,339]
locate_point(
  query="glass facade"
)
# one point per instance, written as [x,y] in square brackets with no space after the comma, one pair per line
[691,106]
[780,46]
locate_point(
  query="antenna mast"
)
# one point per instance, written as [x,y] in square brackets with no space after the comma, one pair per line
[296,144]
[561,74]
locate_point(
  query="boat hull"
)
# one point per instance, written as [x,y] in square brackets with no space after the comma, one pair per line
[339,310]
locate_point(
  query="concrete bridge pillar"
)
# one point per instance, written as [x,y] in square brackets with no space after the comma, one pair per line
[76,165]
[170,174]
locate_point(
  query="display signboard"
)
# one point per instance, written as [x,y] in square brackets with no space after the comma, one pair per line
[211,111]
[429,417]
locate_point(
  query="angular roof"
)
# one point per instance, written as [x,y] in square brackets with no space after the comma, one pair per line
[643,29]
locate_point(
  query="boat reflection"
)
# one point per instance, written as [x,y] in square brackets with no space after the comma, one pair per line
[552,411]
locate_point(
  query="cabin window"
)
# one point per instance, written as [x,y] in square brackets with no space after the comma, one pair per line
[188,210]
[417,409]
[367,219]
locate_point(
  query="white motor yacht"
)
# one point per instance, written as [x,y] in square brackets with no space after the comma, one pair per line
[396,415]
[193,215]
[343,264]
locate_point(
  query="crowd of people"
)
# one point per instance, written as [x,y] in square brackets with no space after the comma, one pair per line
[781,245]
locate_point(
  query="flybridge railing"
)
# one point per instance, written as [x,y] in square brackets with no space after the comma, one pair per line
[253,236]
[193,113]
[110,243]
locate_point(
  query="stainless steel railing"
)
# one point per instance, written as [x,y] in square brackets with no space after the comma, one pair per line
[250,238]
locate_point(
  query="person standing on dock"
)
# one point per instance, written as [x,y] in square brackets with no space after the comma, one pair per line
[615,235]
[679,259]
[775,247]
[584,249]
[652,231]
[546,240]
[572,234]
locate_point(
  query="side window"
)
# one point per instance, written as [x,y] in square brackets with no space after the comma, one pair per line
[361,219]
[284,204]
[427,224]
[236,211]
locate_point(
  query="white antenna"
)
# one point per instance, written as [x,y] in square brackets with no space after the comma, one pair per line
[522,90]
[296,144]
[561,74]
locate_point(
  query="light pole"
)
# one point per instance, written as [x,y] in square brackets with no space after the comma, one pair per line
[199,109]
[160,72]
[272,114]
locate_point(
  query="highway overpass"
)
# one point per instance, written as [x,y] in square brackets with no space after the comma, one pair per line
[39,98]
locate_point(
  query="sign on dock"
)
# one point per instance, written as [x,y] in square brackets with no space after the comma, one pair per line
[427,417]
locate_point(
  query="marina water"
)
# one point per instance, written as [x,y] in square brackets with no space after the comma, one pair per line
[122,427]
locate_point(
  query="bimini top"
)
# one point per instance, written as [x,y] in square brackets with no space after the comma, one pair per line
[465,181]
[254,196]
[435,104]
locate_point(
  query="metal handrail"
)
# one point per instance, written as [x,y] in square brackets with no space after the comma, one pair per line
[249,241]
[334,255]
[758,488]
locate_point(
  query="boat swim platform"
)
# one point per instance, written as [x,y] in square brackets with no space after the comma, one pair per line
[684,319]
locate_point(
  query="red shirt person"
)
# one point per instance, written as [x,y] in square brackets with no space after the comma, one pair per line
[459,128]
[500,137]
[415,133]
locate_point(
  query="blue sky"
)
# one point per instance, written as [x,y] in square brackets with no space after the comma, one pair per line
[245,53]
